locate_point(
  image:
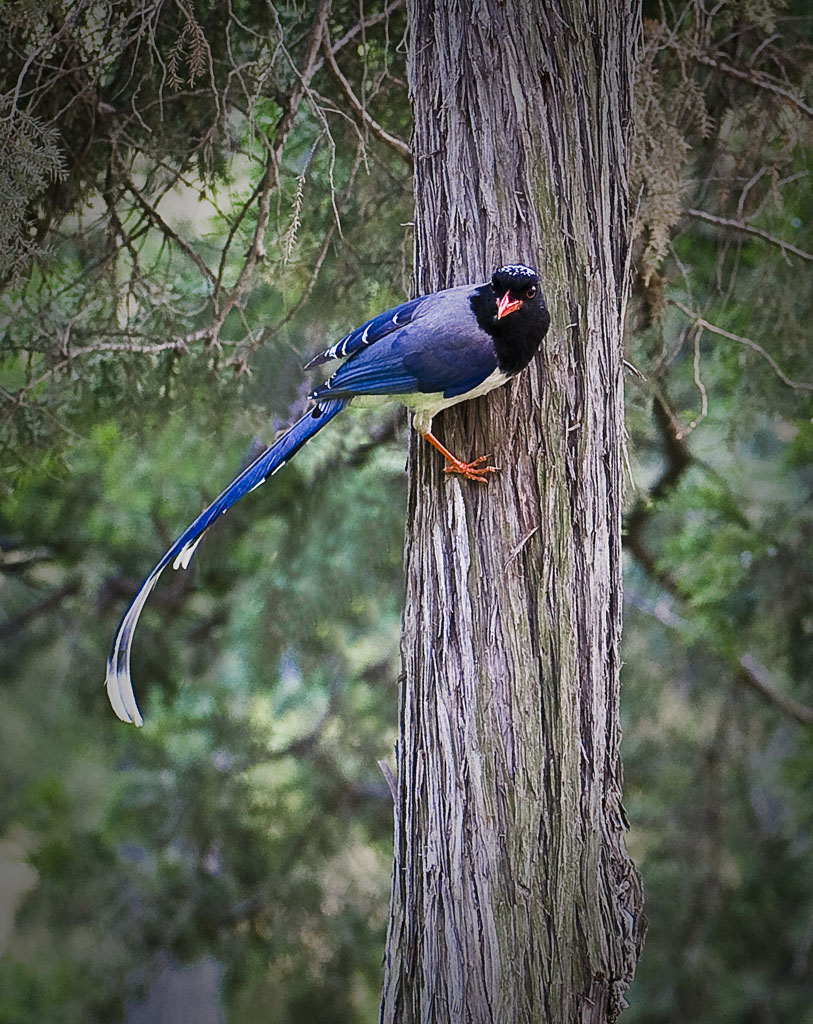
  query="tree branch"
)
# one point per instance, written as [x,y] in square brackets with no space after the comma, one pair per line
[165,229]
[233,227]
[177,344]
[317,266]
[739,225]
[759,679]
[747,342]
[12,627]
[358,107]
[754,79]
[678,459]
[360,26]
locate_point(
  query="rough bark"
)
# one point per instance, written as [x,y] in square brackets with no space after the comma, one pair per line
[514,899]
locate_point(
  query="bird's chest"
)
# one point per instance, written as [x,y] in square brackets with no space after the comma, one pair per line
[426,405]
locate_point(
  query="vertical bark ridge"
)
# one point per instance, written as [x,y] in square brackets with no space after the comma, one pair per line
[513,896]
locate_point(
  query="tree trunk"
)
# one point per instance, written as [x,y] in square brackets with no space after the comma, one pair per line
[513,897]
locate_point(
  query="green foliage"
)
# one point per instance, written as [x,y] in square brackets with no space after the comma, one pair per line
[719,581]
[248,820]
[248,817]
[30,159]
[198,205]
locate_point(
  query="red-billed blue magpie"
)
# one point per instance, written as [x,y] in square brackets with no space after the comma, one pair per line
[429,353]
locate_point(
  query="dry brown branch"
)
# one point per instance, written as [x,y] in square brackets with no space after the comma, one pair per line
[739,225]
[758,677]
[747,342]
[235,224]
[754,78]
[358,107]
[177,345]
[163,227]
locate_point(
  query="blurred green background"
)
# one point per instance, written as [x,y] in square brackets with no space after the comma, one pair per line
[231,859]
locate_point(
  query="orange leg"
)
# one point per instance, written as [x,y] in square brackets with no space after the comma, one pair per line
[470,470]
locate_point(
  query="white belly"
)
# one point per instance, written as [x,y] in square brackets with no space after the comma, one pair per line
[427,405]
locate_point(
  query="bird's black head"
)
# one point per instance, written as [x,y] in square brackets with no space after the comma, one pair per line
[514,285]
[513,311]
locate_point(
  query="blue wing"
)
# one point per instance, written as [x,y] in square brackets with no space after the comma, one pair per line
[374,330]
[118,682]
[435,355]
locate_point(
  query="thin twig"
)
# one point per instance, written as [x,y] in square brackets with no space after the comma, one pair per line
[698,381]
[318,263]
[360,26]
[230,236]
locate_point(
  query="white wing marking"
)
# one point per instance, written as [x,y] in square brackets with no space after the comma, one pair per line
[184,556]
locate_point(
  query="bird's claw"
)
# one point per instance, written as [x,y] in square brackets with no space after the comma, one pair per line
[472,470]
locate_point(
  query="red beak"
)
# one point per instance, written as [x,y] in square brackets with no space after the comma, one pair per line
[507,305]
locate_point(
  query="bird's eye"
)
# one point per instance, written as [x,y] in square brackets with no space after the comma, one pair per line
[531,292]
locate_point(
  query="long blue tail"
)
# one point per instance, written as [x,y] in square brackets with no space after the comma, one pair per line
[118,682]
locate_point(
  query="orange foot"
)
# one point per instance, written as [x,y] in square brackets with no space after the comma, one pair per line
[472,470]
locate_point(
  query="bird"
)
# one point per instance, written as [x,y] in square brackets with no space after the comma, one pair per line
[429,353]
